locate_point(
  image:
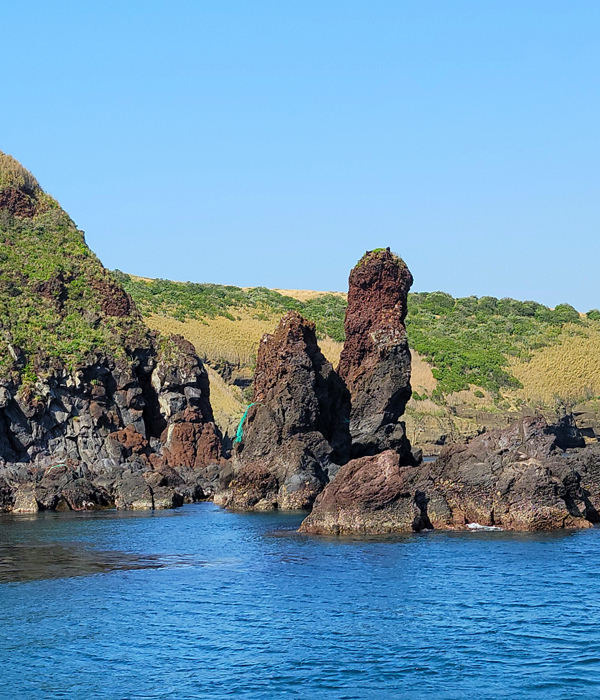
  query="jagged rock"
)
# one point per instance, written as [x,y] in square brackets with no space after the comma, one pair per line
[296,434]
[99,391]
[375,360]
[515,479]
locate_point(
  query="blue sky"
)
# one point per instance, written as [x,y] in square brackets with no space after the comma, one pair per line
[272,142]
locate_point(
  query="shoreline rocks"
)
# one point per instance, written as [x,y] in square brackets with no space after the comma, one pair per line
[518,478]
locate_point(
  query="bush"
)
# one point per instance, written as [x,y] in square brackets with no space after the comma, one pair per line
[565,313]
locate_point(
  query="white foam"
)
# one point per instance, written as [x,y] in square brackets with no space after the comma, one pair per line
[477,526]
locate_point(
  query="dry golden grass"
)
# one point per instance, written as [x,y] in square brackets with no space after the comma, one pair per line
[422,379]
[219,338]
[234,341]
[306,294]
[331,349]
[227,402]
[237,341]
[569,370]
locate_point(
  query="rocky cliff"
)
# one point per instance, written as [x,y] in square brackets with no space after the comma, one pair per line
[308,419]
[296,433]
[95,410]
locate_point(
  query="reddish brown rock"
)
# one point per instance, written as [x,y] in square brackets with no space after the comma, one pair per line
[190,436]
[513,479]
[192,443]
[375,360]
[372,495]
[296,434]
[114,299]
[131,441]
[17,202]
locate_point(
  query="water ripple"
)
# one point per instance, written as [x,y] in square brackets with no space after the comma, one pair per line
[205,603]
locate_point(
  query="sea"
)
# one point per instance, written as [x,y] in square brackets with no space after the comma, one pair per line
[201,602]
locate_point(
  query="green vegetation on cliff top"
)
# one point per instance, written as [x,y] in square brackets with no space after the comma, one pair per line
[468,341]
[51,288]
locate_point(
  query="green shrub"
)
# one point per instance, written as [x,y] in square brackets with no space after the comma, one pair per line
[468,341]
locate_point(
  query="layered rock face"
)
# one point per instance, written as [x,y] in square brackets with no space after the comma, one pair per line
[94,409]
[375,360]
[296,434]
[516,479]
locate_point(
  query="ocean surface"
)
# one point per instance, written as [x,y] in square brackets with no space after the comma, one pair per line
[200,602]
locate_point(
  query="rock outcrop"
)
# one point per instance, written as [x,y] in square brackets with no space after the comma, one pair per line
[373,495]
[95,410]
[296,433]
[375,360]
[514,479]
[308,419]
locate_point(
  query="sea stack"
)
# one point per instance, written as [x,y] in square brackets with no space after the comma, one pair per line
[375,360]
[295,434]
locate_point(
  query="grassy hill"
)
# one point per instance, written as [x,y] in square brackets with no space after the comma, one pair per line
[53,289]
[476,361]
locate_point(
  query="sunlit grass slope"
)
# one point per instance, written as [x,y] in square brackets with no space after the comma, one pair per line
[568,371]
[474,359]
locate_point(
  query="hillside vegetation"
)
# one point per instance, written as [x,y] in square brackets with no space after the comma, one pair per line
[469,343]
[52,287]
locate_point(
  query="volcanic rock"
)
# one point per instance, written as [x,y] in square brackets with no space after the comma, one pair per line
[375,360]
[514,479]
[373,495]
[296,433]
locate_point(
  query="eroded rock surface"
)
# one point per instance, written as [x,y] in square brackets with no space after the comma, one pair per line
[95,410]
[107,419]
[515,479]
[296,434]
[373,495]
[375,360]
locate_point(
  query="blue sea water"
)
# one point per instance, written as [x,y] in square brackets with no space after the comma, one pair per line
[201,602]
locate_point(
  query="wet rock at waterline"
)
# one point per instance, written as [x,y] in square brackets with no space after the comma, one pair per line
[514,479]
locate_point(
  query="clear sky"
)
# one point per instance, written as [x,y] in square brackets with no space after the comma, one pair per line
[258,142]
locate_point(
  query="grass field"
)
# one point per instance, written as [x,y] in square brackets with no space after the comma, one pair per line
[475,361]
[568,371]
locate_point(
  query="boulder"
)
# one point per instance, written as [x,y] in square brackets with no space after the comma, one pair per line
[373,495]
